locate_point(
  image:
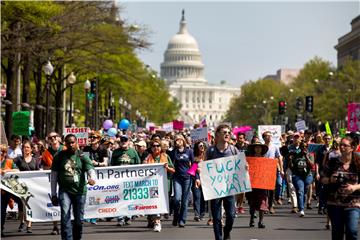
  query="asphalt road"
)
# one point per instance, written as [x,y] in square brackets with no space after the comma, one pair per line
[281,225]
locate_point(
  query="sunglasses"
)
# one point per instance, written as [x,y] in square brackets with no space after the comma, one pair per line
[71,142]
[92,137]
[225,132]
[155,145]
[201,145]
[52,137]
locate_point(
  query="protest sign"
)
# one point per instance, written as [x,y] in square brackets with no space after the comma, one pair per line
[300,125]
[21,122]
[178,125]
[199,134]
[81,133]
[262,172]
[353,117]
[223,177]
[119,191]
[314,147]
[275,131]
[168,127]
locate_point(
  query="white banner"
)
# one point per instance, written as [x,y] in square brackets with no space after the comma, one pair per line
[119,191]
[223,177]
[168,127]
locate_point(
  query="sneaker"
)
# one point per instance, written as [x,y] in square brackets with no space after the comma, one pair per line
[240,210]
[272,210]
[181,225]
[210,222]
[21,227]
[28,229]
[166,216]
[251,224]
[197,219]
[279,202]
[308,206]
[294,210]
[174,223]
[93,221]
[157,227]
[55,231]
[261,225]
[121,222]
[227,236]
[302,213]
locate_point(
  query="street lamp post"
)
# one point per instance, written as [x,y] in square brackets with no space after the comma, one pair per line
[87,86]
[48,69]
[71,81]
[121,102]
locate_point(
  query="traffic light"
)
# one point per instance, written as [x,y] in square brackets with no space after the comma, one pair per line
[299,103]
[309,103]
[93,87]
[282,107]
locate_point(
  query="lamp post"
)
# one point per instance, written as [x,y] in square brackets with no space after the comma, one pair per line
[121,102]
[48,69]
[87,86]
[71,81]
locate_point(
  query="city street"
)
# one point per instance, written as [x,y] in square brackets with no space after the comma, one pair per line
[282,225]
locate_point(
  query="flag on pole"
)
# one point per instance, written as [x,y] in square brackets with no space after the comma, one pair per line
[203,122]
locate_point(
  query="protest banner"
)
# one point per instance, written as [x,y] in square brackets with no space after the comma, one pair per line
[199,134]
[81,133]
[119,191]
[21,122]
[223,177]
[262,172]
[353,117]
[275,131]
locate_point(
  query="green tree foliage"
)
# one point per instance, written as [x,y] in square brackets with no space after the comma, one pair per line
[87,38]
[332,89]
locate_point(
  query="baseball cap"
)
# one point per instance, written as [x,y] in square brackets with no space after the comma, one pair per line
[141,143]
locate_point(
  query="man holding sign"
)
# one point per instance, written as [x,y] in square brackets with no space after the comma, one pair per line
[221,149]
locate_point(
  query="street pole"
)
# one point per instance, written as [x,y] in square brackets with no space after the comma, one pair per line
[86,108]
[70,112]
[96,107]
[47,105]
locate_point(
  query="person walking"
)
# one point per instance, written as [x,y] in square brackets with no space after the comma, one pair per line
[341,175]
[220,149]
[157,156]
[26,162]
[258,198]
[182,158]
[68,170]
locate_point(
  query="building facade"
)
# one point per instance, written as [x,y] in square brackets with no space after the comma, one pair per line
[349,45]
[183,71]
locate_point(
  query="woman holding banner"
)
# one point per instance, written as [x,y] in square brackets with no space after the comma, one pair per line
[258,198]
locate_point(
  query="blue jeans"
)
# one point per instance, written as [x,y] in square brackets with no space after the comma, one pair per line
[229,206]
[301,185]
[77,202]
[199,202]
[344,218]
[278,186]
[181,201]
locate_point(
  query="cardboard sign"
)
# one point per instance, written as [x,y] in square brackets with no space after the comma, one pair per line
[225,176]
[199,134]
[21,122]
[262,172]
[81,133]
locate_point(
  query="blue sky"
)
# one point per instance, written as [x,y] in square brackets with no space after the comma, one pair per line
[242,41]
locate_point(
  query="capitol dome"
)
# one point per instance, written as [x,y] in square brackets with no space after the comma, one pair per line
[182,58]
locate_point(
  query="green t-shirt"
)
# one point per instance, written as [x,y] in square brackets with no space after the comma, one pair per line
[71,170]
[125,157]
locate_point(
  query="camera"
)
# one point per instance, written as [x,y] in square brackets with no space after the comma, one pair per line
[341,178]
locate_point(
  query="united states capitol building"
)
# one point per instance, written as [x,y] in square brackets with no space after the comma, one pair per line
[183,71]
